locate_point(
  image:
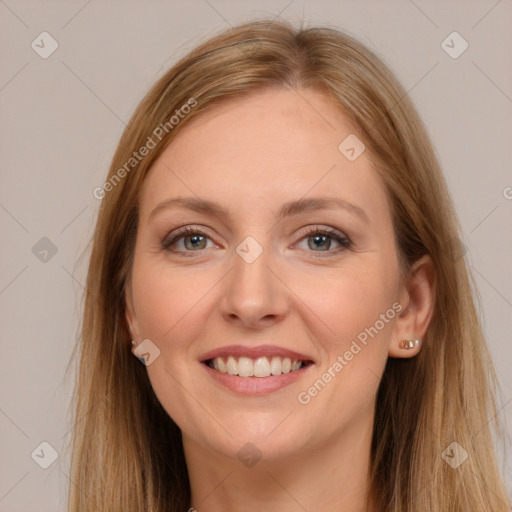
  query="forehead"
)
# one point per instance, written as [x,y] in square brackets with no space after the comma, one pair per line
[267,148]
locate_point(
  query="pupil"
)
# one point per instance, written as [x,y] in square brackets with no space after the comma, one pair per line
[194,239]
[318,238]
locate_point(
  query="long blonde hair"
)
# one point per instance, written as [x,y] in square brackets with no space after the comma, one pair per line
[126,451]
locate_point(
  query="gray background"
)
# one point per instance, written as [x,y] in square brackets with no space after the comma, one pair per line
[61,120]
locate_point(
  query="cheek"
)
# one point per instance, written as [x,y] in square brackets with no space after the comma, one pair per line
[360,314]
[351,299]
[163,298]
[168,306]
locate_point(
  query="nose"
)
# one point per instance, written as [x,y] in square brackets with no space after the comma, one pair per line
[254,295]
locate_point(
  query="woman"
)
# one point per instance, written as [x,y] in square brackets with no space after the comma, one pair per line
[277,248]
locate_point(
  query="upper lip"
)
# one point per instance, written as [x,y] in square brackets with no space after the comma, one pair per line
[254,352]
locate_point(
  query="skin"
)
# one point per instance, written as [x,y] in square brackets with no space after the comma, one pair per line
[252,155]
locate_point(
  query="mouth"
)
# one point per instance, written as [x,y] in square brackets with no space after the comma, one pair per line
[259,367]
[255,370]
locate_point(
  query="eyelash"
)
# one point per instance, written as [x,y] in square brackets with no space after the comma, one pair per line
[170,240]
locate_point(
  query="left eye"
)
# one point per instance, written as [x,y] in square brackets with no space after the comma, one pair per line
[322,239]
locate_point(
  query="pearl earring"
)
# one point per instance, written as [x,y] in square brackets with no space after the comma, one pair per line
[408,344]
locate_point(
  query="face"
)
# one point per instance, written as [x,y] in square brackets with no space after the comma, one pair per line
[294,277]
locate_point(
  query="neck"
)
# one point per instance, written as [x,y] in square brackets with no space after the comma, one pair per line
[331,478]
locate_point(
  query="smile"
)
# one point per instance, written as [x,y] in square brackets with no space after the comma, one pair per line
[258,367]
[248,369]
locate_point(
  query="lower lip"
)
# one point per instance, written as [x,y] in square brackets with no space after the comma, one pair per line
[255,385]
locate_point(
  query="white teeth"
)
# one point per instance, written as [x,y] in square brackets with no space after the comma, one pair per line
[296,366]
[232,366]
[260,367]
[221,365]
[276,366]
[245,367]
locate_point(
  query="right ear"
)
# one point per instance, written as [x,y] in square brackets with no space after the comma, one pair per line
[131,318]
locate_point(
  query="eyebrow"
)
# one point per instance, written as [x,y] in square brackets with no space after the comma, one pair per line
[294,207]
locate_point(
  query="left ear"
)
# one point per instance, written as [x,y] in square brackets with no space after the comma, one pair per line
[417,297]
